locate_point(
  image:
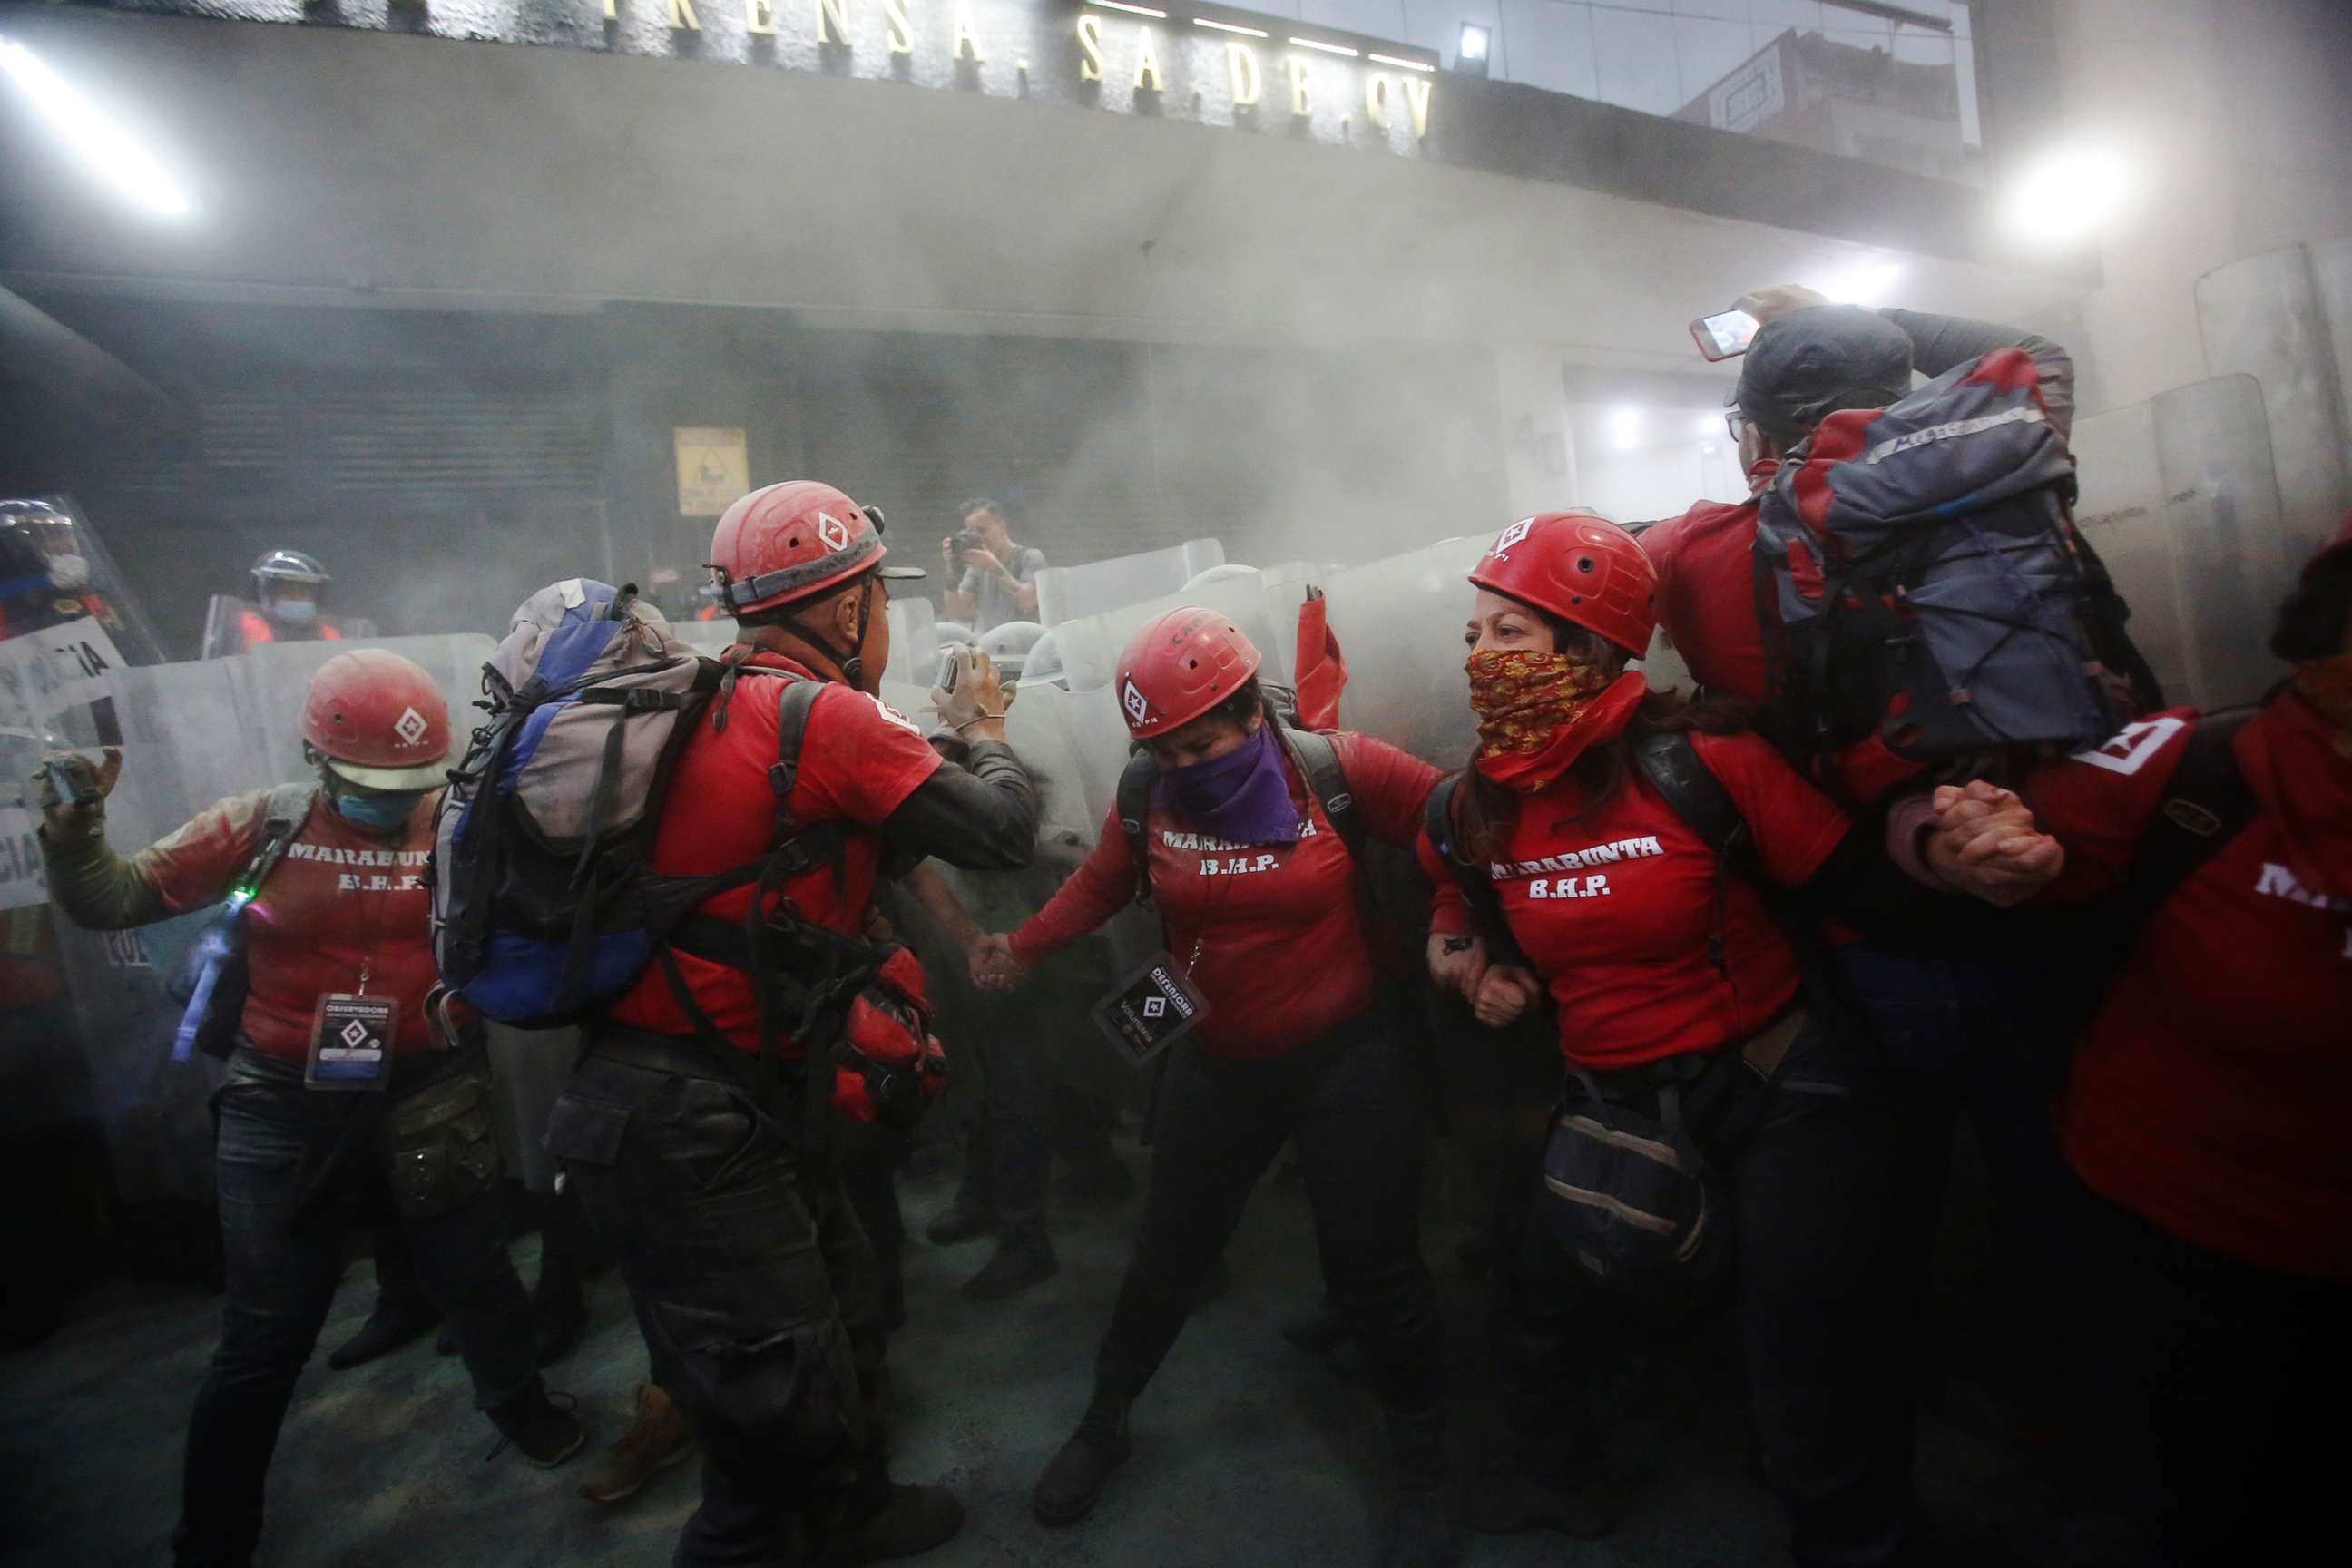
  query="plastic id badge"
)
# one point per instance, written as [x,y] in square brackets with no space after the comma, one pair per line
[1150,1010]
[350,1042]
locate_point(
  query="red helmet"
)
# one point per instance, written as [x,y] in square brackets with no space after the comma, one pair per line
[787,541]
[1179,666]
[1580,567]
[379,718]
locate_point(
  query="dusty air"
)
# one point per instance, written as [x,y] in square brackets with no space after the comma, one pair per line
[1372,784]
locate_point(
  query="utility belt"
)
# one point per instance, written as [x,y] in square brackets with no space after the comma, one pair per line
[432,1130]
[681,1056]
[1633,1185]
[856,1008]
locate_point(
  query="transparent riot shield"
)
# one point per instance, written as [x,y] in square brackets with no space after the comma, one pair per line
[2121,513]
[1398,624]
[1068,592]
[2262,317]
[2239,551]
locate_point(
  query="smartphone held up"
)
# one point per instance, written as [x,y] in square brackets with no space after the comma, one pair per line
[1725,335]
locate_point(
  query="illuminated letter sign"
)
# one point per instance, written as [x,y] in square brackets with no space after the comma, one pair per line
[1090,67]
[1147,60]
[1241,69]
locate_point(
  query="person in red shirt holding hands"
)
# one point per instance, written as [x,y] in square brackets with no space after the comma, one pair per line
[1650,867]
[1259,896]
[342,1071]
[2208,1113]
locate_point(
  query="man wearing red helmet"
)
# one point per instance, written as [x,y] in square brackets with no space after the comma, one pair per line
[330,880]
[1588,841]
[1257,889]
[2208,1111]
[753,1281]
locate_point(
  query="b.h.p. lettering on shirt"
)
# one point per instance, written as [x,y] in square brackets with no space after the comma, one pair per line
[1593,887]
[1239,865]
[377,882]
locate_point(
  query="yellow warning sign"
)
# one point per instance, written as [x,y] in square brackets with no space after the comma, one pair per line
[712,470]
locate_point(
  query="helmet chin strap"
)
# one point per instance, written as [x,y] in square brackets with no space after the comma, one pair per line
[852,663]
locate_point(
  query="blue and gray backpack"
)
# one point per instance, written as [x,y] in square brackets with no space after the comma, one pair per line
[1923,590]
[545,905]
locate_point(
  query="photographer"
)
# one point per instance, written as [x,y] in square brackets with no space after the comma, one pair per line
[996,580]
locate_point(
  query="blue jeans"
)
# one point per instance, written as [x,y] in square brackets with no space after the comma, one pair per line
[281,1282]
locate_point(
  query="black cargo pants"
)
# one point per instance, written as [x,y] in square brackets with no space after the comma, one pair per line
[755,1291]
[1583,1365]
[1354,1104]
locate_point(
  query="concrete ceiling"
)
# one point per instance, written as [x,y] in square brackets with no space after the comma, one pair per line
[333,166]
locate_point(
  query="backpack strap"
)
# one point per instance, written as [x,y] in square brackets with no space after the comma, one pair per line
[1317,756]
[1133,804]
[2207,803]
[1674,769]
[1486,916]
[285,812]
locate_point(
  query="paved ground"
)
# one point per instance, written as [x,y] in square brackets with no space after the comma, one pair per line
[1247,1452]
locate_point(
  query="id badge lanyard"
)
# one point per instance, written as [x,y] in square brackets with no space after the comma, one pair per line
[351,1032]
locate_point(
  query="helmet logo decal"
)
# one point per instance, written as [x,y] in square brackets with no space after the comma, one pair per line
[1131,699]
[1512,535]
[410,726]
[833,531]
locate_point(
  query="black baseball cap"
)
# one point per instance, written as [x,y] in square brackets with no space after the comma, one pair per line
[1808,365]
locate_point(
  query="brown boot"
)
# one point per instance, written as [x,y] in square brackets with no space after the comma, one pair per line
[904,1523]
[658,1439]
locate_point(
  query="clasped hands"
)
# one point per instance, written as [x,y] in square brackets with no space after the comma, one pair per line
[994,967]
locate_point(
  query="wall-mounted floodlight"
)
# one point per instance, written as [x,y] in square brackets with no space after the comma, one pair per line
[105,147]
[2068,195]
[1470,50]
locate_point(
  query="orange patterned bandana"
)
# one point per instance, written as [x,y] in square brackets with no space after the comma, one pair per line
[1539,711]
[2327,685]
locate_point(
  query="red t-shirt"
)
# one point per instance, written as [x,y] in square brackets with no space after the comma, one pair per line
[858,760]
[1616,911]
[1707,604]
[1706,593]
[2212,1095]
[339,899]
[1272,932]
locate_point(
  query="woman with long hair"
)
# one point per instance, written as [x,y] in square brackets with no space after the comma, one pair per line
[1650,870]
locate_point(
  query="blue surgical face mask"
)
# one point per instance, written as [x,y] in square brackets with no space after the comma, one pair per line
[382,813]
[294,612]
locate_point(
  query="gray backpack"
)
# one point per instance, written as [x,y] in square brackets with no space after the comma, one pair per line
[1922,589]
[544,904]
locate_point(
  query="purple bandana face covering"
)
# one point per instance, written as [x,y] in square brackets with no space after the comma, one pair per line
[1243,797]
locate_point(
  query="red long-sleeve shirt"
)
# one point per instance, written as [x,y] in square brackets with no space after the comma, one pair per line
[1271,932]
[1615,908]
[2212,1096]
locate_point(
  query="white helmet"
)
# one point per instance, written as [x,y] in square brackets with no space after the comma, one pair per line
[1043,662]
[1230,573]
[946,632]
[1007,646]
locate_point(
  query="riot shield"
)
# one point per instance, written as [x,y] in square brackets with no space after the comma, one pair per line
[2262,318]
[2121,513]
[2239,552]
[1398,624]
[1069,592]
